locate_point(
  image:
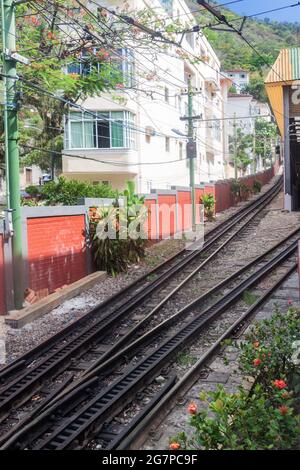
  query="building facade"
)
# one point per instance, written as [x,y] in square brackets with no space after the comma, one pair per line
[240,79]
[136,132]
[283,89]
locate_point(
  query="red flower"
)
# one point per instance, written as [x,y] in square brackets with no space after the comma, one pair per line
[257,362]
[174,446]
[192,408]
[283,410]
[280,384]
[119,85]
[256,344]
[290,302]
[50,35]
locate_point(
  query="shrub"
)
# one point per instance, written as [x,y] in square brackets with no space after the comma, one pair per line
[115,254]
[265,418]
[241,422]
[257,187]
[235,188]
[66,193]
[208,201]
[33,191]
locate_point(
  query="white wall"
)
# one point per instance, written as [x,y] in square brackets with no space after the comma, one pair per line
[146,163]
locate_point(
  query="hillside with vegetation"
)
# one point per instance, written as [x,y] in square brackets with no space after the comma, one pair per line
[268,37]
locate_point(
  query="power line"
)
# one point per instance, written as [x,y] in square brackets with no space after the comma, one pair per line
[109,162]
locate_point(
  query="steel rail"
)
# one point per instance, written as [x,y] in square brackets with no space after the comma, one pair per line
[41,348]
[114,358]
[135,434]
[99,408]
[26,381]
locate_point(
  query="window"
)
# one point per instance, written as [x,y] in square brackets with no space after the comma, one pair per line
[167,144]
[88,62]
[28,175]
[103,130]
[242,75]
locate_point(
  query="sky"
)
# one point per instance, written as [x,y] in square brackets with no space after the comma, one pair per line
[248,7]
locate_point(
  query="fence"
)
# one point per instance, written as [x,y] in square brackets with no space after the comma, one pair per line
[55,239]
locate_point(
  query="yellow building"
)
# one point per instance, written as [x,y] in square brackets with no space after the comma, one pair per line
[283,89]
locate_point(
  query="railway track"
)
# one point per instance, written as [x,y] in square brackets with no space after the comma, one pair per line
[79,413]
[26,375]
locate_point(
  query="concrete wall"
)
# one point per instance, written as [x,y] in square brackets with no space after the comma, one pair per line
[55,251]
[56,239]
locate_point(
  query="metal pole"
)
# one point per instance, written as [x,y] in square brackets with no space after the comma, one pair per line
[254,167]
[235,147]
[191,140]
[11,143]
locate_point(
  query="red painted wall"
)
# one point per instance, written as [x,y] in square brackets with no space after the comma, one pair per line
[152,222]
[185,218]
[198,194]
[56,252]
[2,279]
[167,211]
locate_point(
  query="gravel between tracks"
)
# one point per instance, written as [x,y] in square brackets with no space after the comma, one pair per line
[14,342]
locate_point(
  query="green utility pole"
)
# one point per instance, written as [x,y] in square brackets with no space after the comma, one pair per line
[235,147]
[12,142]
[254,167]
[191,141]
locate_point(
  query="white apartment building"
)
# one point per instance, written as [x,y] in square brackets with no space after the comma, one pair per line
[241,110]
[29,175]
[240,78]
[135,132]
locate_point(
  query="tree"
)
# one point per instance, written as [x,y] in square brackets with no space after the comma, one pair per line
[265,134]
[51,51]
[240,149]
[256,87]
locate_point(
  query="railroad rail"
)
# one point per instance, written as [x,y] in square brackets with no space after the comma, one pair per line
[72,418]
[27,373]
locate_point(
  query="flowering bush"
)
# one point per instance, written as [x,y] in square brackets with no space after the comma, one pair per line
[267,353]
[265,418]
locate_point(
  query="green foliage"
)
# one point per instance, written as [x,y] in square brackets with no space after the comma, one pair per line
[185,359]
[33,191]
[209,202]
[274,339]
[66,193]
[240,190]
[257,187]
[128,244]
[240,147]
[269,37]
[51,51]
[249,298]
[265,135]
[242,422]
[265,418]
[256,87]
